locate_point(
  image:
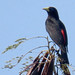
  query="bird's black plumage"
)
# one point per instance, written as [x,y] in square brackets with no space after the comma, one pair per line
[57,32]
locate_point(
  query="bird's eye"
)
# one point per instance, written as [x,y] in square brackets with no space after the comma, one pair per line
[52,9]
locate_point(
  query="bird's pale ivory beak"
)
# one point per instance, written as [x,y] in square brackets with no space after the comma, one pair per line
[47,9]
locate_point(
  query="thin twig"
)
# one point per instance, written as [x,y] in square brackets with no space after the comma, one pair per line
[30,38]
[34,49]
[48,44]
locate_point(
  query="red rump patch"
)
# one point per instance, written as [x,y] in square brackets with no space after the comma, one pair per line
[62,31]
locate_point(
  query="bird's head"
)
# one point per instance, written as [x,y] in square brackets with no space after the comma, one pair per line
[52,12]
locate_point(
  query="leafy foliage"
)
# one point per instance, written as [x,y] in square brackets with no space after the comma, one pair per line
[12,47]
[44,63]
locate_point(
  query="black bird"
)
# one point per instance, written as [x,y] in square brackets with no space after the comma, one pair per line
[57,32]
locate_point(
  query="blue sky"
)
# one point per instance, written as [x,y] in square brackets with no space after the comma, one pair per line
[25,18]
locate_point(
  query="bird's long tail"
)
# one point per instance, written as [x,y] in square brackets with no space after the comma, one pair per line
[64,57]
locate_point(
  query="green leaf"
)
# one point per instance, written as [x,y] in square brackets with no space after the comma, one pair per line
[12,47]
